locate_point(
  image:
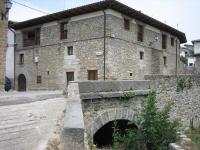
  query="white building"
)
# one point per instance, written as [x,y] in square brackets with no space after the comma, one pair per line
[188,52]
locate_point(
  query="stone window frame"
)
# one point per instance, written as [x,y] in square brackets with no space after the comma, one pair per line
[165,60]
[21,58]
[172,40]
[70,50]
[140,33]
[39,79]
[127,23]
[31,36]
[64,30]
[141,55]
[164,40]
[93,74]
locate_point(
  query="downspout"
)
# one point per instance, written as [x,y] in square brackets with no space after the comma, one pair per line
[104,47]
[14,49]
[176,57]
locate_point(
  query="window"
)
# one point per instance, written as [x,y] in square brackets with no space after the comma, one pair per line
[70,77]
[126,24]
[164,41]
[131,74]
[31,37]
[63,30]
[140,33]
[141,55]
[172,41]
[70,50]
[39,79]
[21,59]
[92,75]
[165,60]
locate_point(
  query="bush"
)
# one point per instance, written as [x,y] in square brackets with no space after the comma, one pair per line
[184,60]
[127,95]
[183,83]
[155,131]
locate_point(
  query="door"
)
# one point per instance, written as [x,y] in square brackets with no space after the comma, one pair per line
[70,77]
[92,75]
[21,83]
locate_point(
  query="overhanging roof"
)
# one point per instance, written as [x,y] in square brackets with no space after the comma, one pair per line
[106,4]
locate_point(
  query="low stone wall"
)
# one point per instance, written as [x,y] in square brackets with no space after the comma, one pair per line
[186,102]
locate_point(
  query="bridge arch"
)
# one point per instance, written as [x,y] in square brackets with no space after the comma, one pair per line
[105,119]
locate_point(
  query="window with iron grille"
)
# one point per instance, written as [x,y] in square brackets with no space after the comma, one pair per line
[140,33]
[164,41]
[31,37]
[126,24]
[63,30]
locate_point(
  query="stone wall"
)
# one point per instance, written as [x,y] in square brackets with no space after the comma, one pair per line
[85,34]
[3,42]
[92,104]
[186,102]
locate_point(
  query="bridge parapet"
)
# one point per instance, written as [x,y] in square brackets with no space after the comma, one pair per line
[88,100]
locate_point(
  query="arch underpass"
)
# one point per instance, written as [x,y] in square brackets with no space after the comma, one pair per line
[104,136]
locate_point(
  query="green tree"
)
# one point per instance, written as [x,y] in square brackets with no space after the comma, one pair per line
[155,130]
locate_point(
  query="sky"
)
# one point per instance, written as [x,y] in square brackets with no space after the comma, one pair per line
[180,14]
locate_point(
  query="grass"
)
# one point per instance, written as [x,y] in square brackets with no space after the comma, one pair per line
[194,134]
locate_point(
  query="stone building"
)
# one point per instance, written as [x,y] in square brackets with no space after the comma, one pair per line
[3,42]
[104,40]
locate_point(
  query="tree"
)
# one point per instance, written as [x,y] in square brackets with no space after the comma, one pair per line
[155,130]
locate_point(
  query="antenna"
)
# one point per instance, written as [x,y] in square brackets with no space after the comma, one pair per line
[177,25]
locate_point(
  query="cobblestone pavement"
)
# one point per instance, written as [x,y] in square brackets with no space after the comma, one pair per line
[29,126]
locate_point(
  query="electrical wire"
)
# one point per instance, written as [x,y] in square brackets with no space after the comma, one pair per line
[30,7]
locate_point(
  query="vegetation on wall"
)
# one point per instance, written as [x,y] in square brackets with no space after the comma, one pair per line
[155,129]
[127,95]
[183,83]
[184,60]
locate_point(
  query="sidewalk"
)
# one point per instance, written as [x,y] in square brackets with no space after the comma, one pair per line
[14,97]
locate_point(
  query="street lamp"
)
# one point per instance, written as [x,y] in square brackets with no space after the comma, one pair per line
[7,5]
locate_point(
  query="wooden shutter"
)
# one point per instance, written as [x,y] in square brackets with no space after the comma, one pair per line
[70,77]
[92,75]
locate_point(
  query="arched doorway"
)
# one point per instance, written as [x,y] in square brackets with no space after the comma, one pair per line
[21,82]
[104,136]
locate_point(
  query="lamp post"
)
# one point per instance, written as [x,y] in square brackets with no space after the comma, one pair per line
[7,5]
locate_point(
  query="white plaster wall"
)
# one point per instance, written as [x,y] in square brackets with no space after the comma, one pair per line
[191,60]
[10,55]
[197,47]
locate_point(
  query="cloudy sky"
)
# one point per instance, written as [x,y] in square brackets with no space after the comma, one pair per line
[181,14]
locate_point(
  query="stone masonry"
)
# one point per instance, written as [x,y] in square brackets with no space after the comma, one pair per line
[3,42]
[86,35]
[100,102]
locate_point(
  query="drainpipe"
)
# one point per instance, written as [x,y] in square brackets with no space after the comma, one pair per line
[104,47]
[14,49]
[176,57]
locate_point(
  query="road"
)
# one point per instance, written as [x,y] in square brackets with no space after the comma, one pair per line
[29,126]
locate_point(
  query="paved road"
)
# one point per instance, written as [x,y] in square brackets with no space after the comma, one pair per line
[29,126]
[13,97]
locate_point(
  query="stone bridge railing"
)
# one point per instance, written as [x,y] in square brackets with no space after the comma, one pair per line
[92,104]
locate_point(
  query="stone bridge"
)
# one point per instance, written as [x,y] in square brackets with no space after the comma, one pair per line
[93,106]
